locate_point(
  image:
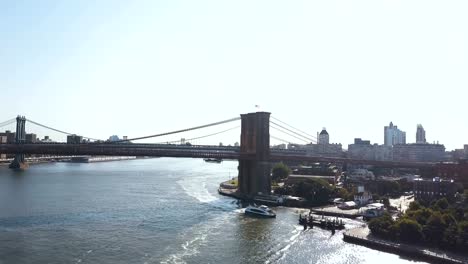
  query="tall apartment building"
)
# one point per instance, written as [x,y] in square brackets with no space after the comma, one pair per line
[420,134]
[393,135]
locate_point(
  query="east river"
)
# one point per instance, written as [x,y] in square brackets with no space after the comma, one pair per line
[152,211]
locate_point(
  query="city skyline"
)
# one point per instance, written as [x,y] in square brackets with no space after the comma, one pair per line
[136,69]
[323,137]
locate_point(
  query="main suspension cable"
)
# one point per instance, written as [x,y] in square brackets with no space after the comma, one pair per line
[57,130]
[205,136]
[179,131]
[8,122]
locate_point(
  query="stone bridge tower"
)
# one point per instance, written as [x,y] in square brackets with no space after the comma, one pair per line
[20,138]
[254,165]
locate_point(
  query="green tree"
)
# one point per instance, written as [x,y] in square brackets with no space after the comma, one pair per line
[316,191]
[421,216]
[409,230]
[280,171]
[451,239]
[414,206]
[381,226]
[463,234]
[435,228]
[465,194]
[441,204]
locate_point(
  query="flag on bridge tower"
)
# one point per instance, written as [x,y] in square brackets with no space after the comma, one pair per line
[257,107]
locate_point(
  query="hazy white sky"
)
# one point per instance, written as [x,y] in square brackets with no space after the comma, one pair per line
[142,67]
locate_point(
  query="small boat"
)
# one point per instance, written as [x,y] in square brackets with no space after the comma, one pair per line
[214,160]
[260,211]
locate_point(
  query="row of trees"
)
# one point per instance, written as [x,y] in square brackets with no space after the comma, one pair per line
[439,224]
[315,191]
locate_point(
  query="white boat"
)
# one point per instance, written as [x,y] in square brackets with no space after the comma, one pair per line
[260,211]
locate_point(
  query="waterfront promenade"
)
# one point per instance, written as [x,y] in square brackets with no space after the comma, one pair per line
[362,236]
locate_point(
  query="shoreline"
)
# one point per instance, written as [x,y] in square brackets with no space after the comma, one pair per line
[361,236]
[94,159]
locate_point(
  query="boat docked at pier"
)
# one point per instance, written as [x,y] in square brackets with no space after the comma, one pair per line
[260,211]
[326,223]
[213,160]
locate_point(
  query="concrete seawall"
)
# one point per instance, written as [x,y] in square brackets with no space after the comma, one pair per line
[361,236]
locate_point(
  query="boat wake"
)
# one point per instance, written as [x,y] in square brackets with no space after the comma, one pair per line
[196,187]
[198,235]
[279,252]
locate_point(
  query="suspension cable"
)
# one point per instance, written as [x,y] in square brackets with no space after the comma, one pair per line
[179,131]
[205,136]
[307,134]
[289,134]
[308,139]
[56,130]
[8,122]
[279,139]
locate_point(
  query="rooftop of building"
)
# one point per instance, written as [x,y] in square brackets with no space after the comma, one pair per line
[324,132]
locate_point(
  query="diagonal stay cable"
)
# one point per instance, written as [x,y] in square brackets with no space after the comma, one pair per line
[287,129]
[205,136]
[56,130]
[179,131]
[305,133]
[289,134]
[279,139]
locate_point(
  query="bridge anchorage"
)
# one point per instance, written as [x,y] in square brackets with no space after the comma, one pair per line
[20,138]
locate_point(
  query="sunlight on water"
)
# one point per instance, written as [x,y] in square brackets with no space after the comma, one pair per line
[152,211]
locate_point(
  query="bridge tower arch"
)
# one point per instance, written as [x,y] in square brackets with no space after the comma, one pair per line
[20,138]
[254,166]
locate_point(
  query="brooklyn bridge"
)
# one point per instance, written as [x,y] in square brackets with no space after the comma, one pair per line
[254,154]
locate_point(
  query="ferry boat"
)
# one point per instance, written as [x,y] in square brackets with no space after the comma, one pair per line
[260,211]
[213,160]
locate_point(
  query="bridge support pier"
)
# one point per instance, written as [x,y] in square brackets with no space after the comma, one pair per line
[254,166]
[20,137]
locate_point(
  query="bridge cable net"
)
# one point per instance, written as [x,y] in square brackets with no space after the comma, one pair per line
[296,133]
[58,130]
[302,137]
[279,139]
[297,129]
[287,136]
[184,130]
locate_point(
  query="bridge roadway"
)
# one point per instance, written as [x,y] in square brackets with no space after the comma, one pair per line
[187,151]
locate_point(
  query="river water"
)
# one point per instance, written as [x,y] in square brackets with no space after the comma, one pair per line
[152,211]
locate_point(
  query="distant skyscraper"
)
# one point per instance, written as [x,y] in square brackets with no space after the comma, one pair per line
[324,138]
[420,135]
[393,135]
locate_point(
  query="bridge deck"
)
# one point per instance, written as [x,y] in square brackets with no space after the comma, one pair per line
[187,151]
